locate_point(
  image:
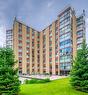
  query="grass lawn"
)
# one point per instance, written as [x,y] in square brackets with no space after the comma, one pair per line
[56,87]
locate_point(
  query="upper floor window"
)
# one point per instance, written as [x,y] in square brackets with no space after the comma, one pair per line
[28,29]
[20,26]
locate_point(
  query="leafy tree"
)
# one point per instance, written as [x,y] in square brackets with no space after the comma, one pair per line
[9,82]
[79,73]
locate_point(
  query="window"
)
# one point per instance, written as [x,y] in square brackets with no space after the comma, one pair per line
[50,27]
[80,27]
[65,66]
[65,15]
[20,54]
[79,46]
[50,56]
[65,42]
[50,39]
[79,33]
[67,50]
[50,49]
[28,60]
[20,61]
[38,34]
[28,35]
[65,58]
[28,29]
[79,40]
[20,26]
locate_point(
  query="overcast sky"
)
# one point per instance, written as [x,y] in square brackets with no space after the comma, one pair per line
[35,13]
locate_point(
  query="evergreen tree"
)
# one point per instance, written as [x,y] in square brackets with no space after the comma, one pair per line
[9,82]
[79,73]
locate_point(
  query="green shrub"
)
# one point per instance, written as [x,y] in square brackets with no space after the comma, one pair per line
[40,81]
[34,80]
[47,80]
[26,81]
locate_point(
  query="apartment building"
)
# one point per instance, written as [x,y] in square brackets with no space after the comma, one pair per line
[51,50]
[9,38]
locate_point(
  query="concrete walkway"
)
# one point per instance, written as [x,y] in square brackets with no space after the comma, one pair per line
[22,78]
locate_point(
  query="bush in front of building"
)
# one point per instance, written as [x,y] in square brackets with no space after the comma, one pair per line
[36,81]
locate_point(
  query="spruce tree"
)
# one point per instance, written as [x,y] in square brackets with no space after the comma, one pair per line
[79,72]
[9,82]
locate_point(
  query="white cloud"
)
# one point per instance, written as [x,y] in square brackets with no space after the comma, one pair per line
[50,4]
[32,13]
[4,5]
[2,36]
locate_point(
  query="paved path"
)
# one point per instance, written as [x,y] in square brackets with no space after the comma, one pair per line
[22,78]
